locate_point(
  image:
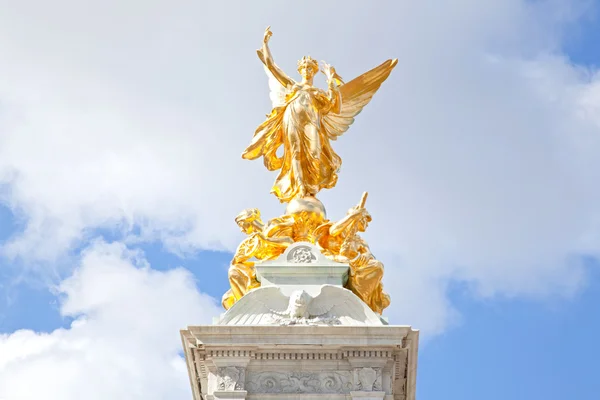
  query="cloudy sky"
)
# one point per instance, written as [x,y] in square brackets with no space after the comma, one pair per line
[121,129]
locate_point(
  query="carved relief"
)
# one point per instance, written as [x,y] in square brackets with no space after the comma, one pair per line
[304,321]
[367,379]
[302,255]
[231,378]
[303,309]
[300,382]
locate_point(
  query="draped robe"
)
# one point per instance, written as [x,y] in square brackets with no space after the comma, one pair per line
[308,160]
[304,120]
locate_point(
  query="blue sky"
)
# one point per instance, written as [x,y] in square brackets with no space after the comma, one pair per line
[503,347]
[121,128]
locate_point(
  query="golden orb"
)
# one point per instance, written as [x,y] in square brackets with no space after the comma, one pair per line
[307,204]
[308,214]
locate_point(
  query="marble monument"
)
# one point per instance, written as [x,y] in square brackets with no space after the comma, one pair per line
[303,315]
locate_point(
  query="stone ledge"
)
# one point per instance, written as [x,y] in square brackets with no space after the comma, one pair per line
[367,395]
[229,395]
[298,335]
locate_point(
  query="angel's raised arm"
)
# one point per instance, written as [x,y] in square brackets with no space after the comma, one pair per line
[265,56]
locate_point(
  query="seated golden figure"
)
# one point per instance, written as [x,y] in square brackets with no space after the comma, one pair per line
[340,242]
[264,242]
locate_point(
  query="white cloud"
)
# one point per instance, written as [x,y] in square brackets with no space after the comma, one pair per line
[479,153]
[124,342]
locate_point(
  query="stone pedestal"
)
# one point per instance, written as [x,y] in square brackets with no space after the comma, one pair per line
[301,340]
[293,362]
[301,267]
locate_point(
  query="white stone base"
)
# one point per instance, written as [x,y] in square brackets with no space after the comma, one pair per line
[368,395]
[229,395]
[301,335]
[301,362]
[308,273]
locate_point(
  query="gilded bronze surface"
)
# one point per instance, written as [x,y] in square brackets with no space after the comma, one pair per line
[304,120]
[341,242]
[264,242]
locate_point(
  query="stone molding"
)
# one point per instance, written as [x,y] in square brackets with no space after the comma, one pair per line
[228,395]
[370,356]
[368,395]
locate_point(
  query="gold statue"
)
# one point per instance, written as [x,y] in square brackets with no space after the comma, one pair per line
[305,119]
[264,242]
[340,242]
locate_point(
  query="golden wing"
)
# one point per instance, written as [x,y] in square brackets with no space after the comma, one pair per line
[355,95]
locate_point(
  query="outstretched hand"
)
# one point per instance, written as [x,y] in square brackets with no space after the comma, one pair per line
[328,70]
[267,35]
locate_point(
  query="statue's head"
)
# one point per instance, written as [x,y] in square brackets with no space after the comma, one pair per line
[308,67]
[246,219]
[298,306]
[362,218]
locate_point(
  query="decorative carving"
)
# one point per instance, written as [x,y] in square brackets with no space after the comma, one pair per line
[298,305]
[284,321]
[300,382]
[378,385]
[231,378]
[332,305]
[300,312]
[302,255]
[368,379]
[316,355]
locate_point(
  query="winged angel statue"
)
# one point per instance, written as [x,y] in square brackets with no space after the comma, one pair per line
[305,119]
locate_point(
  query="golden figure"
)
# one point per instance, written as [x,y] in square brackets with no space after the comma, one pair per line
[305,119]
[264,242]
[340,242]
